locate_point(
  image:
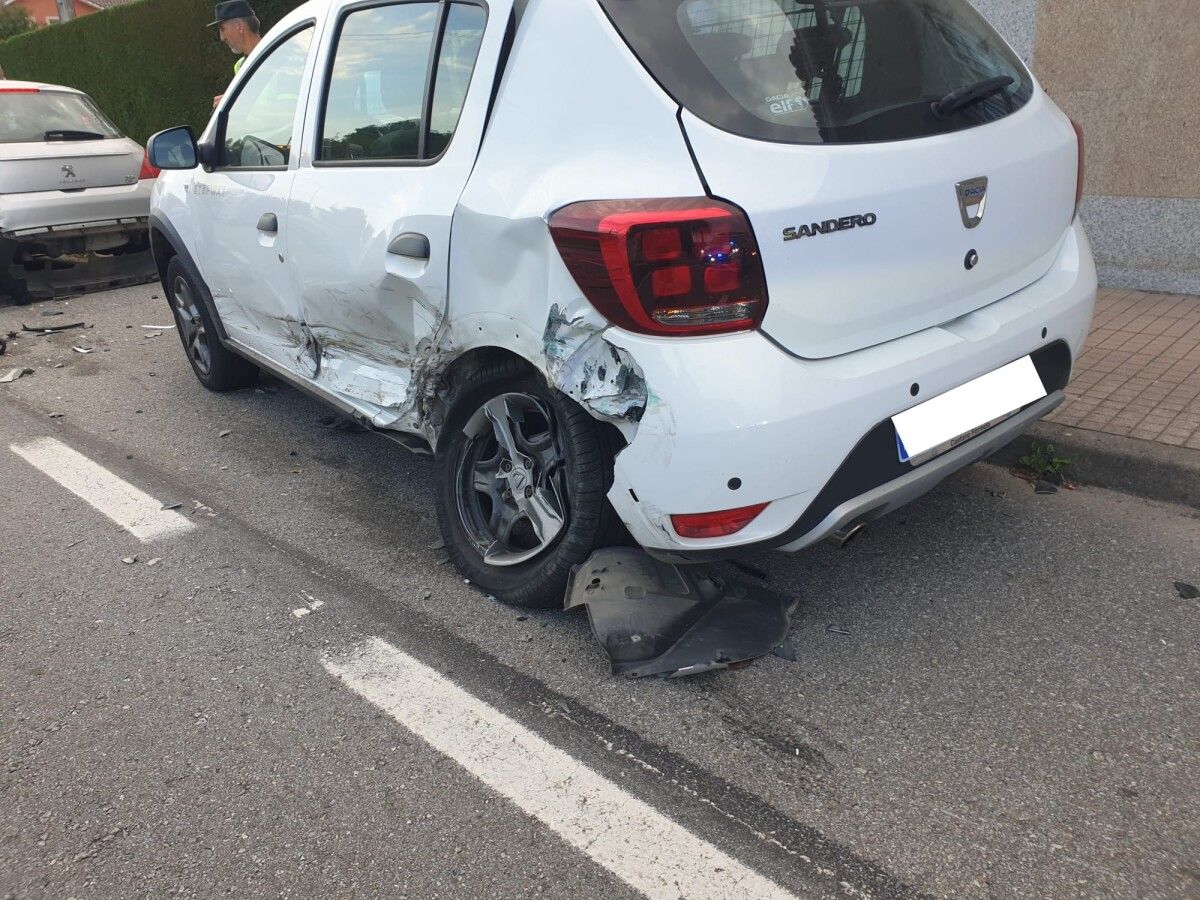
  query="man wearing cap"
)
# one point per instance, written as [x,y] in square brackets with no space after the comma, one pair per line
[239,28]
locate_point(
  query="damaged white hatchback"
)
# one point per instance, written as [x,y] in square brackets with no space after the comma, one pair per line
[718,275]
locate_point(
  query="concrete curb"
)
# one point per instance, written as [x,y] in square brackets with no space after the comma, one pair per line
[1142,468]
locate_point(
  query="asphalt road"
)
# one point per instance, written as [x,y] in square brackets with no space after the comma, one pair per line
[996,693]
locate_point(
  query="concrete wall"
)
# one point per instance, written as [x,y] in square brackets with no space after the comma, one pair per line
[1015,19]
[1129,72]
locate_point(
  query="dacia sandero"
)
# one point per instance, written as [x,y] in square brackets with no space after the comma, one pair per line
[710,275]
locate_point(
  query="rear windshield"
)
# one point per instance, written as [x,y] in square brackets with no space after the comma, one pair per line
[825,71]
[36,116]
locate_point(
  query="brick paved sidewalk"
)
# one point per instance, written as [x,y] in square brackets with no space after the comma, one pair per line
[1139,375]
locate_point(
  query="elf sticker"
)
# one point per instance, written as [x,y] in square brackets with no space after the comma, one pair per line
[783,104]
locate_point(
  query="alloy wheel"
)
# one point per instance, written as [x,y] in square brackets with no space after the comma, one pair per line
[511,487]
[191,325]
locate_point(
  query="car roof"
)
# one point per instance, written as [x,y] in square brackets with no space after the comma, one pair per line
[8,83]
[313,9]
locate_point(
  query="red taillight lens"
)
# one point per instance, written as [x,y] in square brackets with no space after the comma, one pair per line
[673,281]
[716,524]
[20,90]
[1080,170]
[662,245]
[148,171]
[665,267]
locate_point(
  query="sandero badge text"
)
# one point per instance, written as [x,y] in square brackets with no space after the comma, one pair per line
[845,223]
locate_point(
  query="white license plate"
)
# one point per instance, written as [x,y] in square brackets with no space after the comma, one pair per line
[988,399]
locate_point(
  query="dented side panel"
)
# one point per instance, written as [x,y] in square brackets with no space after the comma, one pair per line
[379,331]
[377,318]
[508,285]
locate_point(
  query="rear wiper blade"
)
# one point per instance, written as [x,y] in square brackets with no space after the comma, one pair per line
[972,93]
[67,134]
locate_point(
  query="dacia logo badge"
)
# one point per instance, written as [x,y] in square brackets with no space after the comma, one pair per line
[972,200]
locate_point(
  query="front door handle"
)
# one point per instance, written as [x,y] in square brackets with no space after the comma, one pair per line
[410,244]
[269,223]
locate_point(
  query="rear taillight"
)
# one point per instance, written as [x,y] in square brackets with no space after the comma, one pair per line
[1080,170]
[148,171]
[20,90]
[665,267]
[716,524]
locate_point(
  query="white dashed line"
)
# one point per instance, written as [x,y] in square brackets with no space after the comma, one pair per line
[134,510]
[642,847]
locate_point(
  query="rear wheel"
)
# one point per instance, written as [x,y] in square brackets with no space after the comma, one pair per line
[523,477]
[216,368]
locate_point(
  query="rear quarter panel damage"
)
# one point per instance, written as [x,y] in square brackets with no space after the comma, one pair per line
[582,364]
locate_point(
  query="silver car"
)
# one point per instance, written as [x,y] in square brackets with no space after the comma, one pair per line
[70,184]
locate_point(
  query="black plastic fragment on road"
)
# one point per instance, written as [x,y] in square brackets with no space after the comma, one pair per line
[1187,591]
[52,329]
[786,650]
[653,618]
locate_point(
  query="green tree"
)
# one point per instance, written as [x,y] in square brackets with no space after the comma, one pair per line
[177,63]
[14,20]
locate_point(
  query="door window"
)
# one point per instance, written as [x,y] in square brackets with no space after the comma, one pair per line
[460,46]
[382,102]
[258,124]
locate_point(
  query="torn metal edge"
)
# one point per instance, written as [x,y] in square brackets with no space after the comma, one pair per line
[585,366]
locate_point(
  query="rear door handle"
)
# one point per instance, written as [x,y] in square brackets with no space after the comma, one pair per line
[269,223]
[410,244]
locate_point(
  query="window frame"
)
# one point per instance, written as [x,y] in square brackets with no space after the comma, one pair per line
[297,116]
[435,55]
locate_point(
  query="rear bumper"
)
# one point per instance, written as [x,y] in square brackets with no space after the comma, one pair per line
[893,494]
[737,421]
[48,214]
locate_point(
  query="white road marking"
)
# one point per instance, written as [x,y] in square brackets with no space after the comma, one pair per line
[134,510]
[642,847]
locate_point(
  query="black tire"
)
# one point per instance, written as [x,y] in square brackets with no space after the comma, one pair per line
[11,287]
[585,449]
[217,368]
[18,292]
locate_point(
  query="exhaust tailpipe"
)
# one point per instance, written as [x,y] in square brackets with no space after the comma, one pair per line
[844,536]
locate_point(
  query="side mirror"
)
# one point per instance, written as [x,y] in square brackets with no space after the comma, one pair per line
[174,148]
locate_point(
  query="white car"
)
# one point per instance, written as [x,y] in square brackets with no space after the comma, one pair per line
[70,182]
[721,274]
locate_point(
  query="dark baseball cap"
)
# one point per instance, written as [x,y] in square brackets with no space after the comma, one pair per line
[231,9]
